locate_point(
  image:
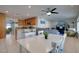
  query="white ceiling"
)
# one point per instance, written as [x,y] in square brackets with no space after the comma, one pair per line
[66,12]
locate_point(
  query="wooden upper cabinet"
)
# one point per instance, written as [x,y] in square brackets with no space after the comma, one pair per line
[27,22]
[21,23]
[33,22]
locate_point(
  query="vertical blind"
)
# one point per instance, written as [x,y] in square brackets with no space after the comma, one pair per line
[78,26]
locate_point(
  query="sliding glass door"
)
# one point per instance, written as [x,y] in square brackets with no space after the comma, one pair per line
[78,27]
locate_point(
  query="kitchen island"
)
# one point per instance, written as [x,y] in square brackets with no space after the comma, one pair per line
[38,44]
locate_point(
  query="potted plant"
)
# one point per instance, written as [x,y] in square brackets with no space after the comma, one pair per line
[46,35]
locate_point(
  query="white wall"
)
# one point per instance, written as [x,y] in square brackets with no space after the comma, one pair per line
[50,24]
[45,23]
[70,24]
[53,24]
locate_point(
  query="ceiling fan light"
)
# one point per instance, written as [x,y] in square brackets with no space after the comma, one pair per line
[29,6]
[48,13]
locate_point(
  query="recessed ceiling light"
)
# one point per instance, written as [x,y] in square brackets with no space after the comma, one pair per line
[6,11]
[29,6]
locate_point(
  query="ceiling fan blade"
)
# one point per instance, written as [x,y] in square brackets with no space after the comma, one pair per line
[48,9]
[55,12]
[53,9]
[43,14]
[44,11]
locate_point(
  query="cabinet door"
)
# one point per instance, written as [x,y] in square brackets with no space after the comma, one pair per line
[33,21]
[27,22]
[2,26]
[22,23]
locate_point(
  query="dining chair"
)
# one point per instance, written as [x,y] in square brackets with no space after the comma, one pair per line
[54,48]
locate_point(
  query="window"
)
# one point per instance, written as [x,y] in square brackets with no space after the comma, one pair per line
[8,26]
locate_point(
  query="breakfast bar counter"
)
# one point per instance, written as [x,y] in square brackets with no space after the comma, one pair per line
[38,44]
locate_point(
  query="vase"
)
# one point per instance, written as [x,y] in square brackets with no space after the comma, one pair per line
[46,37]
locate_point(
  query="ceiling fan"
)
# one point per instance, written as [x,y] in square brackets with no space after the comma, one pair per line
[50,11]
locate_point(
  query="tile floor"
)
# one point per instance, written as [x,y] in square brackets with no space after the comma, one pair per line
[10,45]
